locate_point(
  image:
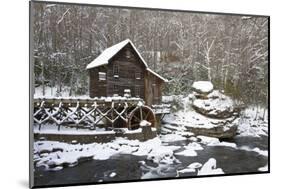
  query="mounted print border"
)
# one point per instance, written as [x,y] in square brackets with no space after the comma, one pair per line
[127,94]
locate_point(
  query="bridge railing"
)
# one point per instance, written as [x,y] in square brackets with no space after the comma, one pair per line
[88,112]
[82,111]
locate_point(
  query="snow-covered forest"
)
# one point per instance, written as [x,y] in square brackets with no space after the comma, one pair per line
[229,50]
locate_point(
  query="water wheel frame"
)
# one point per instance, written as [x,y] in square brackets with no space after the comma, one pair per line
[139,114]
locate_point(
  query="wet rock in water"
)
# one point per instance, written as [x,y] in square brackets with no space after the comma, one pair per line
[210,168]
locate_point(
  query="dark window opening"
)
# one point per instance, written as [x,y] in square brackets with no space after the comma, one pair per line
[116,71]
[137,91]
[128,54]
[154,81]
[137,75]
[102,76]
[115,89]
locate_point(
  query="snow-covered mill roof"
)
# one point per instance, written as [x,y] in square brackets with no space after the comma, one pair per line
[108,53]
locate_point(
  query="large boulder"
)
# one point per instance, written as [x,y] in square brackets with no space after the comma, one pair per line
[202,87]
[215,105]
[206,112]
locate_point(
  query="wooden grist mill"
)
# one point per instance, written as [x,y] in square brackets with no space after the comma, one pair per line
[124,95]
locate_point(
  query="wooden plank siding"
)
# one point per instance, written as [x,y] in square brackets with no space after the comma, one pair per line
[131,74]
[128,64]
[97,88]
[153,87]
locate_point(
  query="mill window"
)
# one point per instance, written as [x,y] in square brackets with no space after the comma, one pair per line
[137,75]
[128,54]
[102,76]
[115,71]
[115,89]
[137,91]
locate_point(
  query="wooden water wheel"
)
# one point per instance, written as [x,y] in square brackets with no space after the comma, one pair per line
[140,115]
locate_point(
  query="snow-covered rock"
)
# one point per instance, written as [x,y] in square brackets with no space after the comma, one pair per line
[113,174]
[187,170]
[172,138]
[263,169]
[187,152]
[213,114]
[221,107]
[210,168]
[53,155]
[202,87]
[195,165]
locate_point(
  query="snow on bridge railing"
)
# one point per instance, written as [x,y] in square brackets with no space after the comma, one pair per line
[88,112]
[161,108]
[83,111]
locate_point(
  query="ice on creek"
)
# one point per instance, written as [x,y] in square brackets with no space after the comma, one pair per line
[50,154]
[210,168]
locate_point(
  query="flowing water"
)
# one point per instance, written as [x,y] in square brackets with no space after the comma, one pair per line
[129,167]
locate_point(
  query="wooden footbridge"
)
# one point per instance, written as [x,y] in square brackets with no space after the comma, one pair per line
[112,113]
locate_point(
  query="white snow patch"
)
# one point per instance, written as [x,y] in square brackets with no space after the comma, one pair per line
[215,106]
[226,144]
[108,53]
[256,149]
[208,140]
[113,174]
[209,168]
[194,146]
[203,86]
[195,165]
[171,138]
[190,118]
[187,152]
[252,124]
[187,170]
[145,123]
[265,168]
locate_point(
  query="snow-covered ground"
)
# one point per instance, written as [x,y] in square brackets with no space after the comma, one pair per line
[51,92]
[253,123]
